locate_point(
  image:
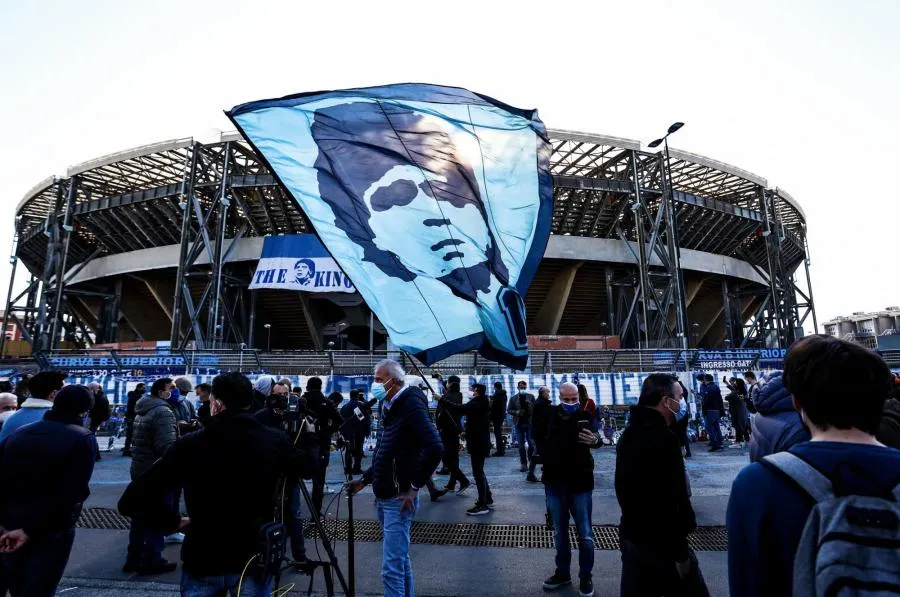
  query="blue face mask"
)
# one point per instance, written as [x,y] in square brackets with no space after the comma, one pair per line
[378,390]
[570,408]
[174,395]
[682,410]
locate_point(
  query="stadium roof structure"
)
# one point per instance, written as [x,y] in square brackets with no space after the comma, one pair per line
[206,197]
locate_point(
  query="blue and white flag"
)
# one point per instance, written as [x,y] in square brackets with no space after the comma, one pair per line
[436,201]
[298,262]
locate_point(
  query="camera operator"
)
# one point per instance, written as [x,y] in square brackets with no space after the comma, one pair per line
[230,472]
[328,420]
[274,416]
[356,426]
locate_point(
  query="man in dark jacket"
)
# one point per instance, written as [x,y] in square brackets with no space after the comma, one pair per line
[566,441]
[713,407]
[203,413]
[130,413]
[154,432]
[651,487]
[99,413]
[478,443]
[273,417]
[328,421]
[498,415]
[513,410]
[449,426]
[407,453]
[230,472]
[889,430]
[44,473]
[356,426]
[540,427]
[777,426]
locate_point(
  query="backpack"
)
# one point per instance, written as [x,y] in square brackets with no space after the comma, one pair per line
[850,546]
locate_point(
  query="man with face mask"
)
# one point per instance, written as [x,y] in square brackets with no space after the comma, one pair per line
[568,484]
[44,472]
[407,453]
[652,490]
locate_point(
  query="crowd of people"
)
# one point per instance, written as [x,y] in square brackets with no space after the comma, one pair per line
[823,435]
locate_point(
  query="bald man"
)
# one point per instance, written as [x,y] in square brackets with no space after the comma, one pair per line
[8,405]
[568,483]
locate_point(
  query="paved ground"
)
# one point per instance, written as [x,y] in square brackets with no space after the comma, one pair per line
[95,565]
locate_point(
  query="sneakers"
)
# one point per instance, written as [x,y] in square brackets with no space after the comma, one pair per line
[438,494]
[463,486]
[478,510]
[557,581]
[523,468]
[586,587]
[531,478]
[175,538]
[490,503]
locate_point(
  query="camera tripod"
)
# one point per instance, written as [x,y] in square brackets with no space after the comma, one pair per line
[329,566]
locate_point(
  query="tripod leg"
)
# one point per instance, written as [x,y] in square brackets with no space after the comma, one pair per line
[326,543]
[329,583]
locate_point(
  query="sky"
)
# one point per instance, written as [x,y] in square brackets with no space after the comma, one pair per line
[803,93]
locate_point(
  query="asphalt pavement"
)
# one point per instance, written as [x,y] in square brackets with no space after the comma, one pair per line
[440,570]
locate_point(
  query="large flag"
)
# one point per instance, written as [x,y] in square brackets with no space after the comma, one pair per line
[436,201]
[298,262]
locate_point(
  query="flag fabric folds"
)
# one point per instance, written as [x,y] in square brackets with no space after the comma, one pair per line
[435,201]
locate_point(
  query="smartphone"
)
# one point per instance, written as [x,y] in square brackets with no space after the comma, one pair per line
[359,413]
[580,425]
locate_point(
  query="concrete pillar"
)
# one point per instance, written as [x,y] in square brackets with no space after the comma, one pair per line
[551,312]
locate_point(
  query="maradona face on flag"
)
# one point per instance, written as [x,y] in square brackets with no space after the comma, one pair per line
[435,201]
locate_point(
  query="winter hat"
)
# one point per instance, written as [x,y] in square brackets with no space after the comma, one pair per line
[73,400]
[184,385]
[264,385]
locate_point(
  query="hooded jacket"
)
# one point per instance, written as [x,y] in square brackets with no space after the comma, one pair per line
[229,471]
[154,431]
[44,473]
[777,425]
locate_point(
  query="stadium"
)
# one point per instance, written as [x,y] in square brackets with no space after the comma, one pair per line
[156,246]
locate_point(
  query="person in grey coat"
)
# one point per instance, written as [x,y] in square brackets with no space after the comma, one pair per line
[154,432]
[777,425]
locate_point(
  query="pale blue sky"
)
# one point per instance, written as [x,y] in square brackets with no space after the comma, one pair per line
[804,93]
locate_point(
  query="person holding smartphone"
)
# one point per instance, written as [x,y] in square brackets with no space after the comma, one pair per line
[568,484]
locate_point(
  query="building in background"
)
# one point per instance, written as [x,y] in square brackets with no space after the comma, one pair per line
[878,329]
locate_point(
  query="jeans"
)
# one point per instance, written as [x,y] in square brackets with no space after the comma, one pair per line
[525,436]
[537,455]
[498,437]
[646,574]
[129,431]
[450,439]
[318,490]
[145,543]
[295,522]
[34,569]
[353,454]
[562,503]
[481,482]
[396,567]
[713,431]
[218,586]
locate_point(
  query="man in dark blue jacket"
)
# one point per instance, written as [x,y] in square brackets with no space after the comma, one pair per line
[777,425]
[45,468]
[713,406]
[408,451]
[767,511]
[356,426]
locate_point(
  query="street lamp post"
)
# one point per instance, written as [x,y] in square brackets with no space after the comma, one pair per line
[673,234]
[268,327]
